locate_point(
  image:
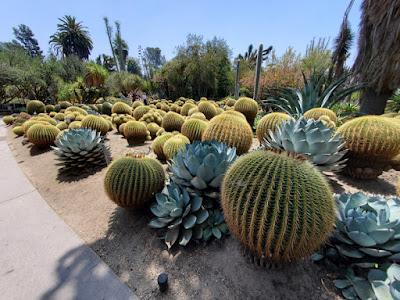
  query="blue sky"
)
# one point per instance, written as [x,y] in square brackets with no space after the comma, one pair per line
[165,24]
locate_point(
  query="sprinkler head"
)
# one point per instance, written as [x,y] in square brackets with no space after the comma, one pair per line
[162,281]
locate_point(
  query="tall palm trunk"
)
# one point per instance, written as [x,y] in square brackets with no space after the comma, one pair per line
[377,63]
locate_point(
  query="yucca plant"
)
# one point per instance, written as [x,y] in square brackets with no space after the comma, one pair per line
[317,92]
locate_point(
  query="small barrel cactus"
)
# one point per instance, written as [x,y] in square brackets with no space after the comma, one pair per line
[373,141]
[8,120]
[78,149]
[49,108]
[201,166]
[121,108]
[75,124]
[106,108]
[194,129]
[137,103]
[76,110]
[18,130]
[208,109]
[316,113]
[270,122]
[172,121]
[153,128]
[62,125]
[42,135]
[135,132]
[230,130]
[35,107]
[181,213]
[278,205]
[174,144]
[248,107]
[158,144]
[132,181]
[96,123]
[312,139]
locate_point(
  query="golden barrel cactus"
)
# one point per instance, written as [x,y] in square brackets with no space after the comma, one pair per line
[316,113]
[248,107]
[270,122]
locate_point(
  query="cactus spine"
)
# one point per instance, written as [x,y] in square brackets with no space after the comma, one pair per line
[279,206]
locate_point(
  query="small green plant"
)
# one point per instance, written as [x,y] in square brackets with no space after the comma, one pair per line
[181,213]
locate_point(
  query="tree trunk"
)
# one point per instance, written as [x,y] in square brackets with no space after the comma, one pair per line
[372,103]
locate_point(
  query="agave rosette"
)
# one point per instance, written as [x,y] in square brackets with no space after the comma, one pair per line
[201,166]
[311,138]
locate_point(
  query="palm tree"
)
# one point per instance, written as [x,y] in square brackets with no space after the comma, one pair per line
[109,35]
[379,53]
[71,38]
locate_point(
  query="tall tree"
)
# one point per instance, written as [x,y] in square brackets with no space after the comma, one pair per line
[152,60]
[377,62]
[120,48]
[71,38]
[25,37]
[133,66]
[109,35]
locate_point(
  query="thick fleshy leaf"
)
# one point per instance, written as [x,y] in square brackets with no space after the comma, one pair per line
[393,272]
[383,235]
[342,283]
[362,239]
[216,232]
[395,290]
[381,290]
[202,216]
[375,252]
[197,232]
[176,212]
[155,223]
[363,289]
[186,236]
[205,173]
[189,221]
[347,251]
[171,236]
[198,183]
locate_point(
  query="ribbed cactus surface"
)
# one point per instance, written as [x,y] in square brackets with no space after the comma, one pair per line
[135,132]
[230,130]
[132,181]
[96,123]
[158,144]
[279,206]
[121,108]
[174,144]
[172,121]
[35,107]
[194,129]
[248,107]
[270,122]
[208,109]
[42,135]
[316,113]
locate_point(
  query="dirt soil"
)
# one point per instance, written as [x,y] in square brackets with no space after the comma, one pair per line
[217,270]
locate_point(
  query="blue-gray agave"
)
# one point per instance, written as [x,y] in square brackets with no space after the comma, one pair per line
[312,138]
[214,226]
[180,212]
[80,148]
[367,229]
[201,166]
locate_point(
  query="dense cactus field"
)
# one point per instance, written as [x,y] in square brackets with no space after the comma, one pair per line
[217,192]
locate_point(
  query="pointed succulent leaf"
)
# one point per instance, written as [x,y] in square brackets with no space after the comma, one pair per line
[171,236]
[189,221]
[186,236]
[362,239]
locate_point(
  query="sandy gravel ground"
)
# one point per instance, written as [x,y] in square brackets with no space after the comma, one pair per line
[218,270]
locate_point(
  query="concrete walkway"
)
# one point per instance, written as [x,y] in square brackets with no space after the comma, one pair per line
[40,256]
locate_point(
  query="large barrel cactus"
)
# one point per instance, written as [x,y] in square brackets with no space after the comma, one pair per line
[373,141]
[312,139]
[172,121]
[42,135]
[186,107]
[230,130]
[194,129]
[208,109]
[248,107]
[135,132]
[201,166]
[140,111]
[270,122]
[78,149]
[35,107]
[278,205]
[132,181]
[96,123]
[158,144]
[121,108]
[174,144]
